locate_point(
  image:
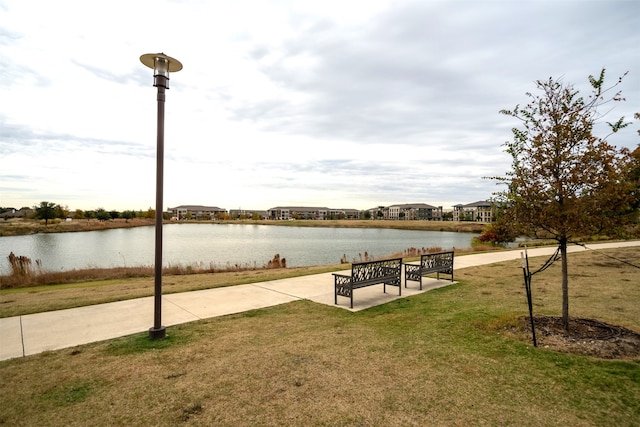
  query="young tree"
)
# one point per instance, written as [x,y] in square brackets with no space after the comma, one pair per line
[150,214]
[61,211]
[102,215]
[565,182]
[127,215]
[46,211]
[634,174]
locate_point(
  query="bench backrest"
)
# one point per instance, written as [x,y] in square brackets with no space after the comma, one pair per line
[362,271]
[437,259]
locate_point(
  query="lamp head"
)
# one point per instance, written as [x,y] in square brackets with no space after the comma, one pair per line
[161,65]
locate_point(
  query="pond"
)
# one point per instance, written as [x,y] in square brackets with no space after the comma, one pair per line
[219,245]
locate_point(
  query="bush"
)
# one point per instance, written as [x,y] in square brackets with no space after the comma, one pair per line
[277,262]
[494,234]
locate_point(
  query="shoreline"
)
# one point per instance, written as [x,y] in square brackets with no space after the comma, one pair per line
[21,227]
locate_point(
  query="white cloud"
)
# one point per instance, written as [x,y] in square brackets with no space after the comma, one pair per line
[340,104]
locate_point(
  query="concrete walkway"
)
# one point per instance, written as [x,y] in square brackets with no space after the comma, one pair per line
[35,333]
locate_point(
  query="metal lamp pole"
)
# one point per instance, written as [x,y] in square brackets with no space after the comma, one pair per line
[161,65]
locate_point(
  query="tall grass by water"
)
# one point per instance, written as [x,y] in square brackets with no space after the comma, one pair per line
[25,272]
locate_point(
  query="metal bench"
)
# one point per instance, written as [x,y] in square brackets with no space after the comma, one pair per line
[438,262]
[369,273]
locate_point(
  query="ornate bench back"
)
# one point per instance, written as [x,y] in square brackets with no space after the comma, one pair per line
[438,259]
[361,272]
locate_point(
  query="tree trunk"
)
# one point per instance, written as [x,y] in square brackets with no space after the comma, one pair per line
[565,284]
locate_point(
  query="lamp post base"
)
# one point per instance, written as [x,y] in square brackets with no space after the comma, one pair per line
[157,333]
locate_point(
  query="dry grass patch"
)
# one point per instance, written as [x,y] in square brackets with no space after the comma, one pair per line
[439,358]
[599,287]
[20,226]
[14,302]
[298,364]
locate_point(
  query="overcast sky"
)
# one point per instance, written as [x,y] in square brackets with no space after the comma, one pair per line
[343,104]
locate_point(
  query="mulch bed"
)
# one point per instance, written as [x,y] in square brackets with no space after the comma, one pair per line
[585,336]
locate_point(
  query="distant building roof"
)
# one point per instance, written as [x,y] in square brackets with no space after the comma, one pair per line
[478,204]
[16,213]
[414,206]
[298,208]
[198,208]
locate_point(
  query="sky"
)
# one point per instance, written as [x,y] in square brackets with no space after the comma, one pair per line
[339,104]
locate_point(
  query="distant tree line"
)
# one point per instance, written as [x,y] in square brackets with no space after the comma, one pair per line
[50,211]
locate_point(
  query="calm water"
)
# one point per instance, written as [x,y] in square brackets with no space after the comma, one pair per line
[218,244]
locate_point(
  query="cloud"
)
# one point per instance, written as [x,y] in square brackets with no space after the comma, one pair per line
[17,138]
[139,76]
[415,69]
[350,104]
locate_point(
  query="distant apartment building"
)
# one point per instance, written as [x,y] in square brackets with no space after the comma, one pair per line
[304,212]
[248,214]
[481,211]
[413,211]
[345,214]
[379,212]
[16,213]
[298,212]
[196,212]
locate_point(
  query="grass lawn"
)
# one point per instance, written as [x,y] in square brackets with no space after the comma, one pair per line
[439,358]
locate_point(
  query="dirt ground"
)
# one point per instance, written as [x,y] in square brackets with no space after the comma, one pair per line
[585,336]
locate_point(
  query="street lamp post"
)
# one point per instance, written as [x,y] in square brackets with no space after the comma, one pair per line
[162,65]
